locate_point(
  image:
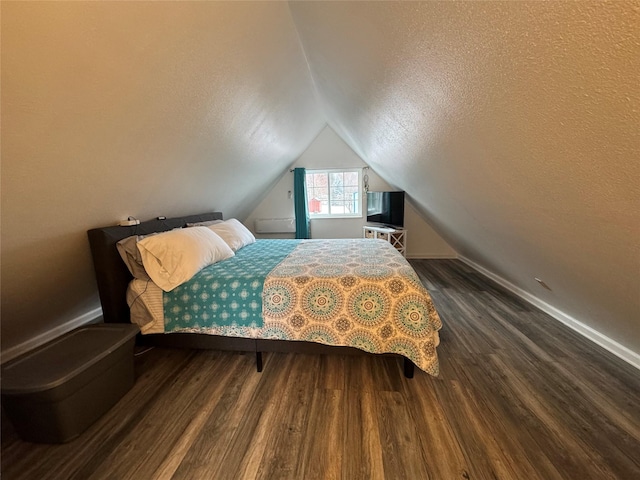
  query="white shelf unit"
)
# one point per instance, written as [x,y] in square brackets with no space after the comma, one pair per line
[395,236]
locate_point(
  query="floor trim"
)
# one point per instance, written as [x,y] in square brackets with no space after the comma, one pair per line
[586,331]
[17,350]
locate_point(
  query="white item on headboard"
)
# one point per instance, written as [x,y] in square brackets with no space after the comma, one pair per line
[275,225]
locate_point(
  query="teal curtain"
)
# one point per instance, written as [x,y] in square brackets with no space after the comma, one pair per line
[301,205]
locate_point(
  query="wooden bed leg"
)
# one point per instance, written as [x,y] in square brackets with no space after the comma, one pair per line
[259,361]
[408,368]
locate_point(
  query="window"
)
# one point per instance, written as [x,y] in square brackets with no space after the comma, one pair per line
[334,193]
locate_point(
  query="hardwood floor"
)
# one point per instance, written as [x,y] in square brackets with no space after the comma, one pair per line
[519,396]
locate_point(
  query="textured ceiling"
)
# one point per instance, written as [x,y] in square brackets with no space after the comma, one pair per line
[512,125]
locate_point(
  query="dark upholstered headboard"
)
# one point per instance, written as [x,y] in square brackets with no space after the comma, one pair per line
[112,274]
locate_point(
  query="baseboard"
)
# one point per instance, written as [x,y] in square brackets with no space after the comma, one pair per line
[586,331]
[17,350]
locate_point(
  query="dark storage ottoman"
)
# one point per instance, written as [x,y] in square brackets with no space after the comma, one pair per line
[55,392]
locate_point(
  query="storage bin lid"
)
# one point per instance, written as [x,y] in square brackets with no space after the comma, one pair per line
[56,362]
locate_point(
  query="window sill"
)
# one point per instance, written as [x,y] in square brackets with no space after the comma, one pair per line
[333,217]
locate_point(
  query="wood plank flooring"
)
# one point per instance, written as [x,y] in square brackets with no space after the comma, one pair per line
[519,396]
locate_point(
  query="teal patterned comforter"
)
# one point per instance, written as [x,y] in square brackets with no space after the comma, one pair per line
[226,294]
[354,292]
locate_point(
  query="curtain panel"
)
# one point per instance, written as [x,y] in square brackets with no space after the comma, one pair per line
[301,205]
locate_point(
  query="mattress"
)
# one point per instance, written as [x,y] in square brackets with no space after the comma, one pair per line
[348,292]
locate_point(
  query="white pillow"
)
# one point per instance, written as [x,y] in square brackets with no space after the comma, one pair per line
[234,233]
[204,224]
[130,255]
[172,258]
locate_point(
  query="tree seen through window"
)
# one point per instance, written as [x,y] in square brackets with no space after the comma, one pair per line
[333,192]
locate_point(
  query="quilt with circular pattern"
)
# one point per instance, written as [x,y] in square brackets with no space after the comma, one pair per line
[348,292]
[357,292]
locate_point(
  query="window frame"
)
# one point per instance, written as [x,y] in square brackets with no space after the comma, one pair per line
[328,171]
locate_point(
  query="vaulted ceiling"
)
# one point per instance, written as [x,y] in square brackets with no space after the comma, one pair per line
[513,127]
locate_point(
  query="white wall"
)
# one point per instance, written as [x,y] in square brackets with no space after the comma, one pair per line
[328,150]
[112,109]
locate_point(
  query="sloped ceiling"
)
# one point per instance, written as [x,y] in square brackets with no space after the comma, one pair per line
[512,125]
[111,109]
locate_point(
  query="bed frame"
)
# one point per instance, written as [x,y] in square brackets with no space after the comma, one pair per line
[113,277]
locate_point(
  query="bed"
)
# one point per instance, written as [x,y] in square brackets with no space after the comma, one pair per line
[350,296]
